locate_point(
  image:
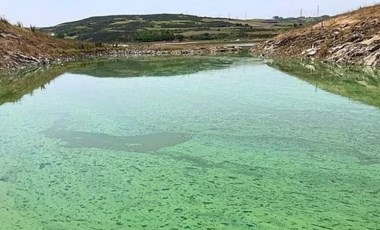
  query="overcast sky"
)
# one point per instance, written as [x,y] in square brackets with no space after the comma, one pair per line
[52,12]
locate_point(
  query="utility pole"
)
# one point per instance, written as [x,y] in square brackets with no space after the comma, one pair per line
[301,14]
[318,11]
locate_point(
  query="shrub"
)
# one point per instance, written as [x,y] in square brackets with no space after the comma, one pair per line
[3,20]
[33,28]
[179,37]
[152,36]
[60,35]
[19,24]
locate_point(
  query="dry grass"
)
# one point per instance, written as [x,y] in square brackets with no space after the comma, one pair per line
[31,42]
[349,38]
[363,12]
[353,17]
[15,39]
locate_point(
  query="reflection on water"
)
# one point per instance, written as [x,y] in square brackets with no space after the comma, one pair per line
[221,143]
[357,83]
[14,86]
[167,66]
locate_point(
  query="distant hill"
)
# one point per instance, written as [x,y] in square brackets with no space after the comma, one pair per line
[169,27]
[351,38]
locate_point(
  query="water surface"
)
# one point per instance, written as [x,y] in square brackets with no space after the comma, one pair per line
[196,143]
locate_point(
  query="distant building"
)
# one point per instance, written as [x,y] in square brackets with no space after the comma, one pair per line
[277,18]
[271,21]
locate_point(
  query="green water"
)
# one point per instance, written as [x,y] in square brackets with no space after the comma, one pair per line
[192,143]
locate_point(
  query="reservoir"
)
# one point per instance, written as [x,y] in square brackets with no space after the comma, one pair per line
[190,143]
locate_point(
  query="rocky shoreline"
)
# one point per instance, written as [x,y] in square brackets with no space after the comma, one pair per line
[20,61]
[350,39]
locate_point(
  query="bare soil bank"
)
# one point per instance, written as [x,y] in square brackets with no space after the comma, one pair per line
[351,38]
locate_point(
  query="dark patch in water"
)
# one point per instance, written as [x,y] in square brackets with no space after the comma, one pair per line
[142,144]
[43,165]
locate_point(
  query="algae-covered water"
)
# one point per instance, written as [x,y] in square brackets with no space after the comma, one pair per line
[189,143]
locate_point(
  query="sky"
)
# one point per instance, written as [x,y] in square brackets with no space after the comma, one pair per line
[48,13]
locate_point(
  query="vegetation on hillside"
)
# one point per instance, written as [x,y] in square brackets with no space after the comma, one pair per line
[32,46]
[169,27]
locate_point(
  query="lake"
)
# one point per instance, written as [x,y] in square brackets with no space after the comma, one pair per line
[190,143]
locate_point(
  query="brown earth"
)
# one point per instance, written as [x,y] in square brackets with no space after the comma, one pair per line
[20,47]
[351,38]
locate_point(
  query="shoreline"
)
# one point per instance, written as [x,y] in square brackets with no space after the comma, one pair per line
[19,61]
[342,59]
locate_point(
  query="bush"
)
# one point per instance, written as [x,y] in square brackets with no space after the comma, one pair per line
[19,24]
[153,36]
[179,37]
[33,29]
[60,35]
[4,20]
[203,36]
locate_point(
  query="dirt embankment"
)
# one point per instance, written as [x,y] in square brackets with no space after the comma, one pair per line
[21,47]
[351,38]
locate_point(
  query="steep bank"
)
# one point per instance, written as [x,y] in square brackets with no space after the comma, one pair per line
[21,47]
[351,38]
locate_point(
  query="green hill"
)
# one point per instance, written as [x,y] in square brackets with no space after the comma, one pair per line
[169,27]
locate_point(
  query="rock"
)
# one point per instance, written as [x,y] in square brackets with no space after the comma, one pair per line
[350,39]
[311,52]
[374,48]
[373,59]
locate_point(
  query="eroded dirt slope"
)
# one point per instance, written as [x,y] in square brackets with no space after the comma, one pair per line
[351,38]
[22,47]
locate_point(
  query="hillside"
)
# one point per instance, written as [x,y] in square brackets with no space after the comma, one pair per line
[169,27]
[351,38]
[27,47]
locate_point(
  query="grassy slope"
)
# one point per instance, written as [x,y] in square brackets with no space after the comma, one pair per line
[124,28]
